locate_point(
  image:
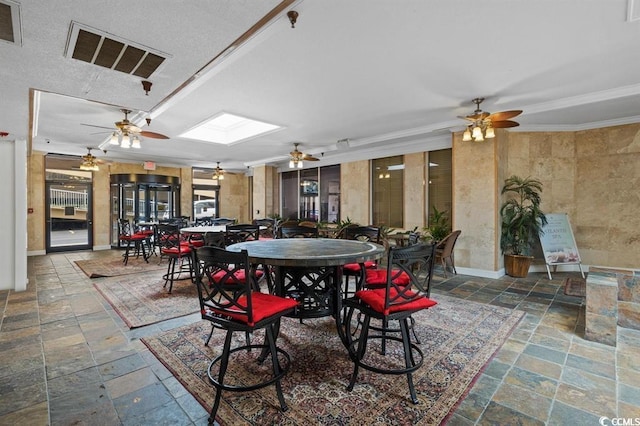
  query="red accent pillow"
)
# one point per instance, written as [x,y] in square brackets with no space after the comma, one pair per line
[375,299]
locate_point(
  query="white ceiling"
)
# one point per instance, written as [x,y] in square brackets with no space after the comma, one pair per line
[390,76]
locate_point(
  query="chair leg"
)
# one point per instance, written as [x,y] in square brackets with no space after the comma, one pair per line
[359,354]
[224,362]
[210,334]
[276,366]
[125,256]
[413,330]
[408,357]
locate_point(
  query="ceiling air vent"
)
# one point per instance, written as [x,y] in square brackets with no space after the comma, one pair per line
[10,26]
[105,50]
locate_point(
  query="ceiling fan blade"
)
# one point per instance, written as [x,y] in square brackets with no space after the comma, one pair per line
[153,135]
[504,115]
[504,124]
[477,116]
[309,158]
[99,127]
[466,118]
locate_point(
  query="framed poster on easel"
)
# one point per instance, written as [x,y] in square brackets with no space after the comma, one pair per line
[558,244]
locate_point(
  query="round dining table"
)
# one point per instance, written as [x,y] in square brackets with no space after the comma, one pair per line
[309,270]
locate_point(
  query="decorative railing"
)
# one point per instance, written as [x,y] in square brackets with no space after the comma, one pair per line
[62,198]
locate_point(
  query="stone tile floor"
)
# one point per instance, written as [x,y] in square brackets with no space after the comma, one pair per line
[67,358]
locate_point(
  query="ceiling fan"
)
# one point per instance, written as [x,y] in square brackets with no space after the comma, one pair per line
[483,123]
[296,157]
[218,173]
[89,162]
[127,134]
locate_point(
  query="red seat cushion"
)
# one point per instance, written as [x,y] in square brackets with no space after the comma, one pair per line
[264,305]
[240,276]
[197,243]
[178,251]
[355,267]
[378,277]
[375,299]
[134,237]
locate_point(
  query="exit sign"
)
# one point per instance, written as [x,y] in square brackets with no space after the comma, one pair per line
[149,165]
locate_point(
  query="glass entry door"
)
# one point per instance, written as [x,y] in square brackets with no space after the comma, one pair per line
[69,217]
[142,198]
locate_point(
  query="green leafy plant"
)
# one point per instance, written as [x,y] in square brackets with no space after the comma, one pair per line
[439,226]
[521,216]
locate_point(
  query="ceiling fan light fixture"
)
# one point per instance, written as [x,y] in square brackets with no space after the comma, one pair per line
[292,164]
[300,164]
[126,141]
[489,133]
[135,142]
[114,140]
[218,173]
[466,136]
[87,167]
[477,133]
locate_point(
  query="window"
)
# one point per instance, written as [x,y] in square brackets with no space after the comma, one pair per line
[387,185]
[206,195]
[440,186]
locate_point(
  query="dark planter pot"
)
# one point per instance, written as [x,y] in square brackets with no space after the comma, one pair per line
[516,265]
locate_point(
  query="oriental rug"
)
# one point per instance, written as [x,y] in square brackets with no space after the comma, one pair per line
[142,299]
[458,339]
[113,267]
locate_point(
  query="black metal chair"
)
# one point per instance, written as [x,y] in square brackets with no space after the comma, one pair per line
[137,241]
[230,301]
[223,221]
[393,302]
[241,232]
[297,232]
[177,250]
[357,270]
[268,227]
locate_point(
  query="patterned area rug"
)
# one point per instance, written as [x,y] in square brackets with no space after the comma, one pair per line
[113,267]
[141,299]
[458,339]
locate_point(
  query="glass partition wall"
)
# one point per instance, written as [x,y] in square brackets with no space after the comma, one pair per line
[311,194]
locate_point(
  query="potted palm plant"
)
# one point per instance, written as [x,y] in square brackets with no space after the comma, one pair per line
[522,222]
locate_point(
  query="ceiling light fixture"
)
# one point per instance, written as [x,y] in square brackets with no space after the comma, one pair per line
[296,158]
[218,173]
[483,124]
[89,162]
[127,134]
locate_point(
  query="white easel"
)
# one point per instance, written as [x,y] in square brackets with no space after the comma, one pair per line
[558,243]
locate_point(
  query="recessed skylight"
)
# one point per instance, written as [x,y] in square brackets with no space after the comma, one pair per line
[227,128]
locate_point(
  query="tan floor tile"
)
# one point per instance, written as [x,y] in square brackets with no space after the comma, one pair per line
[535,382]
[599,403]
[540,366]
[131,382]
[594,351]
[34,415]
[523,401]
